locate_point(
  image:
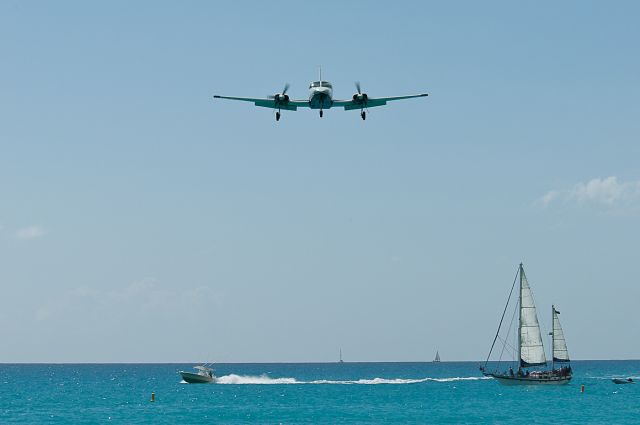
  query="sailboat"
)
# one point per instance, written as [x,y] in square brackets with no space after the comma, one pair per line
[437,359]
[341,361]
[530,350]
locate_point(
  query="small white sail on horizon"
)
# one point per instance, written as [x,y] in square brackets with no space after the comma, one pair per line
[437,359]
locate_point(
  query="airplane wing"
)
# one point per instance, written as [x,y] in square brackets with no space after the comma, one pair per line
[371,102]
[290,105]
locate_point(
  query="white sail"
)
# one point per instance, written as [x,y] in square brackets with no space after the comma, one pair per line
[560,352]
[437,359]
[531,348]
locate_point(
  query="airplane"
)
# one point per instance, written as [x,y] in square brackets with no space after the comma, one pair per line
[320,97]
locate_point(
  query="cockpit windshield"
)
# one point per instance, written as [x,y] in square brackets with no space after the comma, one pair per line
[320,84]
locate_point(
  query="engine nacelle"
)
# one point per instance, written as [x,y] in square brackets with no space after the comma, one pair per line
[279,97]
[360,97]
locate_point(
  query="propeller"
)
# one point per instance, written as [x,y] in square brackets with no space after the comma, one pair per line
[360,97]
[283,94]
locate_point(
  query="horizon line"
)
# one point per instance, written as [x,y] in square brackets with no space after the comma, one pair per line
[295,362]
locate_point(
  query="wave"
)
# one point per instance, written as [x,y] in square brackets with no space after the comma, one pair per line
[259,380]
[266,380]
[610,377]
[377,381]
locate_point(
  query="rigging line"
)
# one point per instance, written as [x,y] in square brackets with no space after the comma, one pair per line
[506,346]
[502,318]
[506,338]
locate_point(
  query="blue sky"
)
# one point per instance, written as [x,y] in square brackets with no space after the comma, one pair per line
[140,220]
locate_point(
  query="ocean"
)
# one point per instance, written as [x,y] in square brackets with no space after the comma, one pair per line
[326,393]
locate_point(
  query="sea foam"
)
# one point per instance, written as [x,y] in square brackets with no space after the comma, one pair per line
[255,380]
[266,380]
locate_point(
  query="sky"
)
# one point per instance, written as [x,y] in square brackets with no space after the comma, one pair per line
[143,221]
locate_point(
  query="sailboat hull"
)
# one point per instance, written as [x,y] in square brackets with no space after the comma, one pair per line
[523,380]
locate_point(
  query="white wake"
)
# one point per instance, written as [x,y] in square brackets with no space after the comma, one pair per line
[266,380]
[259,380]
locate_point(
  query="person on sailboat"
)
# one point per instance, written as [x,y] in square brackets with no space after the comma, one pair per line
[510,371]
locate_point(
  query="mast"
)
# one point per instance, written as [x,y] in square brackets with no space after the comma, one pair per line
[520,320]
[553,337]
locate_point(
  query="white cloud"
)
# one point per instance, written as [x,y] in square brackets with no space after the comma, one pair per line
[30,232]
[550,197]
[607,191]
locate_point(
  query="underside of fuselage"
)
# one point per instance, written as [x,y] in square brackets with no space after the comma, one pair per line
[320,98]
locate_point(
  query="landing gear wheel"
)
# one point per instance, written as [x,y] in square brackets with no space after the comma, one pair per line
[363,114]
[278,116]
[320,113]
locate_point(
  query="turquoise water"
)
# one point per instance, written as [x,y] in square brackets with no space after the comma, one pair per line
[448,392]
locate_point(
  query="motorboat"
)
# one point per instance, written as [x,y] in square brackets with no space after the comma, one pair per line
[622,381]
[204,375]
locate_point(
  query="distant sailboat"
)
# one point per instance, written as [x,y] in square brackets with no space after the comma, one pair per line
[530,350]
[341,361]
[437,359]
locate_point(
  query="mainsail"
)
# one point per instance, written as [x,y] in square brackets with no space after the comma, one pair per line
[530,341]
[560,353]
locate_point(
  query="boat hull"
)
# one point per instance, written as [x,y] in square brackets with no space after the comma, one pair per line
[523,380]
[194,378]
[621,381]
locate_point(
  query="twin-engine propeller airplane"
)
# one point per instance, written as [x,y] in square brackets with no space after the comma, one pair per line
[320,97]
